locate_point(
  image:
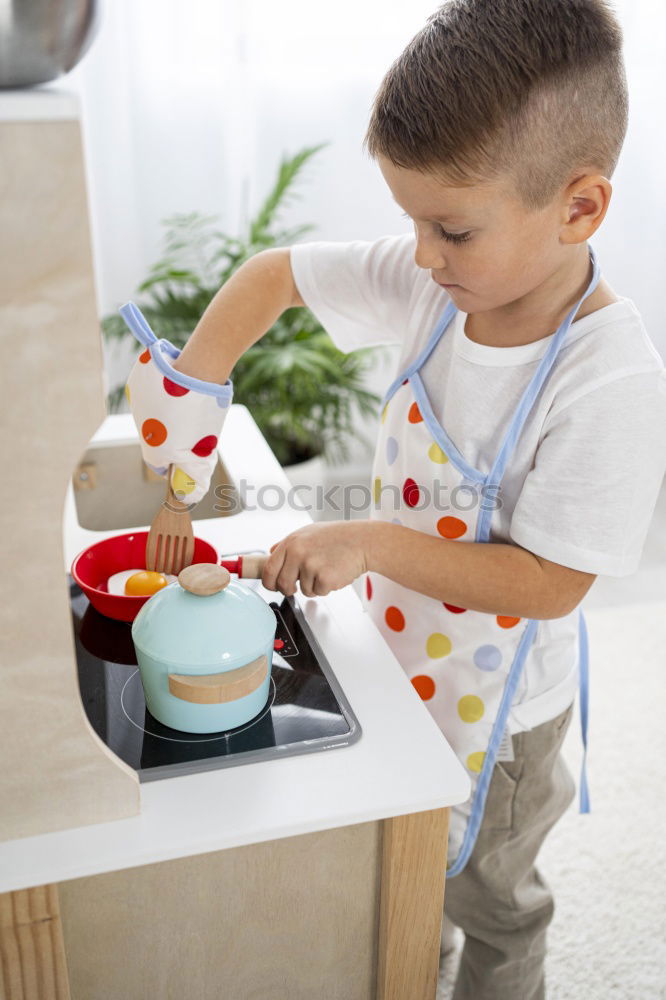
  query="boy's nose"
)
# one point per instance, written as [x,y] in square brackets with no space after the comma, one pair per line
[428,253]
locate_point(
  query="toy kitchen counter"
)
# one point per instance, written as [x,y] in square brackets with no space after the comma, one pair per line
[316,842]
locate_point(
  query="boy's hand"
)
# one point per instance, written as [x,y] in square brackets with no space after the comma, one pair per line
[321,557]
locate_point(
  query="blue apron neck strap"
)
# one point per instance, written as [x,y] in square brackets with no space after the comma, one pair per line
[443,322]
[529,395]
[532,391]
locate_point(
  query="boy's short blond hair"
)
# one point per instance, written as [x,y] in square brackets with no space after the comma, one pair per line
[531,88]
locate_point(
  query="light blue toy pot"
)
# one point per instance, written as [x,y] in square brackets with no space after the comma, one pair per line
[204,647]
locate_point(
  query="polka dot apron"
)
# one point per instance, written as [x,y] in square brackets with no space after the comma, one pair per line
[465,664]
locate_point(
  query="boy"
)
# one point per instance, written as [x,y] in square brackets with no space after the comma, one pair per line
[528,392]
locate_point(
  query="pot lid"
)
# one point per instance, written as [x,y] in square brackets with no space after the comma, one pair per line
[203,619]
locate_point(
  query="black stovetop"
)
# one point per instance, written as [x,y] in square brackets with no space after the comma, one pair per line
[306,709]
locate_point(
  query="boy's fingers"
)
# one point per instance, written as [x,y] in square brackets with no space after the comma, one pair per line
[306,582]
[272,567]
[288,574]
[319,589]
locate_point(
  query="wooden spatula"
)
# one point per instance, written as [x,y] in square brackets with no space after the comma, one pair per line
[170,545]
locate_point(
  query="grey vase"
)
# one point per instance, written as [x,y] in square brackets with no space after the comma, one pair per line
[42,39]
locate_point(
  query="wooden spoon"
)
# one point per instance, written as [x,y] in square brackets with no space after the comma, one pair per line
[170,545]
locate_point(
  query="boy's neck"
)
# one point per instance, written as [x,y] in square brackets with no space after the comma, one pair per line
[533,317]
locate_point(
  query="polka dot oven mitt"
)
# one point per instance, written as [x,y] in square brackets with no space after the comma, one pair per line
[179,418]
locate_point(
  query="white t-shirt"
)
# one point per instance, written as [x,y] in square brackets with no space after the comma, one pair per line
[582,483]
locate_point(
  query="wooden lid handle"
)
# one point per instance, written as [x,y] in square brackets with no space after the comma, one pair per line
[204,579]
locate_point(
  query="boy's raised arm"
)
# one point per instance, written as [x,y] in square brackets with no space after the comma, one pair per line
[179,404]
[241,312]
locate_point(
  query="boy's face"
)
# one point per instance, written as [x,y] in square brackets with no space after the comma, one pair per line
[479,240]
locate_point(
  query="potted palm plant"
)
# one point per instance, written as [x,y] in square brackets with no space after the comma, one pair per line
[305,395]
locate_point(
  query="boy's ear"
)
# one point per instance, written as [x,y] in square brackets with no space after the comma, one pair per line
[586,203]
[581,206]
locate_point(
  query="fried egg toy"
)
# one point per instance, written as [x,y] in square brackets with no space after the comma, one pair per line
[138,582]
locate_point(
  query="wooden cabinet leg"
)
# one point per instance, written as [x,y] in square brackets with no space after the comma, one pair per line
[411,905]
[32,951]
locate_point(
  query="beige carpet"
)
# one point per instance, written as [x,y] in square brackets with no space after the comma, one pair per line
[607,869]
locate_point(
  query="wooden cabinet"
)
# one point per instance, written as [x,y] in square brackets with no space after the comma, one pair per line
[347,914]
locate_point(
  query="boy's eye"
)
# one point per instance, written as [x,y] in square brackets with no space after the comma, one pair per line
[453,237]
[450,237]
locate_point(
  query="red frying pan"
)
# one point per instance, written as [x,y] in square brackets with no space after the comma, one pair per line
[92,568]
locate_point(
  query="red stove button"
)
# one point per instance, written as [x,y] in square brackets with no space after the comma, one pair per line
[278,644]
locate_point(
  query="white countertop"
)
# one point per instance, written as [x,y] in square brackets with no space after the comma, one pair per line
[401,764]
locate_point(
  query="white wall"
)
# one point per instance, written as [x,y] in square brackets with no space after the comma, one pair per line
[190,107]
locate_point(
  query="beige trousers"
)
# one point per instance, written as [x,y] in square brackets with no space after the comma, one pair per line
[500,899]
